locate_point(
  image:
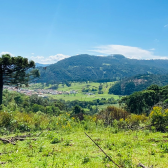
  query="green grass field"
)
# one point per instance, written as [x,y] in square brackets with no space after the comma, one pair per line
[66,149]
[82,96]
[79,86]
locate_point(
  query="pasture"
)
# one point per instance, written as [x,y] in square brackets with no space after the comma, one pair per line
[72,148]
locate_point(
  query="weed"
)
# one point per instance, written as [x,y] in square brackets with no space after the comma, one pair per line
[55,140]
[67,143]
[86,159]
[106,159]
[50,136]
[146,132]
[152,152]
[45,163]
[164,147]
[41,149]
[126,163]
[109,145]
[153,128]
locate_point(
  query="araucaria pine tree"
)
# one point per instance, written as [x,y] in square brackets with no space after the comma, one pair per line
[14,71]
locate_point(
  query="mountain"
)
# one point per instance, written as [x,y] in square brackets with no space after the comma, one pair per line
[91,68]
[41,65]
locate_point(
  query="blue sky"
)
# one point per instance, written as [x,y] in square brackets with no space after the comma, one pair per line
[50,30]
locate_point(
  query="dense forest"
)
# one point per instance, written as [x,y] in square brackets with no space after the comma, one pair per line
[143,101]
[137,83]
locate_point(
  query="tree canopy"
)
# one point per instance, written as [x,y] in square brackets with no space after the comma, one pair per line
[143,101]
[14,70]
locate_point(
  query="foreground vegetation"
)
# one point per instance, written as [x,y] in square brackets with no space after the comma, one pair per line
[60,141]
[73,149]
[39,132]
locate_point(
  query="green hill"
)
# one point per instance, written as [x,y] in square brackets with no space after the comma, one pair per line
[92,68]
[138,83]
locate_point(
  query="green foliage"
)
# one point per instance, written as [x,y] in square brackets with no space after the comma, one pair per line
[78,112]
[134,120]
[129,88]
[55,140]
[67,83]
[140,102]
[110,114]
[86,159]
[14,70]
[138,83]
[143,101]
[115,89]
[159,119]
[5,119]
[54,87]
[164,147]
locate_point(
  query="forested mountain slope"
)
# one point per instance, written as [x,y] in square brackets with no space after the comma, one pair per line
[137,83]
[86,67]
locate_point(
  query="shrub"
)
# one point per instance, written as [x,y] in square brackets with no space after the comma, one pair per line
[134,120]
[164,147]
[159,118]
[5,119]
[112,113]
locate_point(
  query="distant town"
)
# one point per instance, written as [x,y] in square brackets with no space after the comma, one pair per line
[39,92]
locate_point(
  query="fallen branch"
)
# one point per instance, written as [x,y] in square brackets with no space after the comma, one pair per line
[7,141]
[102,150]
[17,138]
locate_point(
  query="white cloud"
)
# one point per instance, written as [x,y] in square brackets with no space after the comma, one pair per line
[32,53]
[5,52]
[166,25]
[49,60]
[127,51]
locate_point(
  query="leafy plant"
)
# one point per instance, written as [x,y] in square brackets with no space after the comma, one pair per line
[86,159]
[55,140]
[159,118]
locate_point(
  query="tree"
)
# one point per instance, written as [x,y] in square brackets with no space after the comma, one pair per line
[78,112]
[129,88]
[115,89]
[14,70]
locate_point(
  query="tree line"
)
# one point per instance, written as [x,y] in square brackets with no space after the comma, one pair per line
[143,101]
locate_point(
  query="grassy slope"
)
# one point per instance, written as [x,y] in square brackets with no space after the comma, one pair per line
[81,96]
[78,151]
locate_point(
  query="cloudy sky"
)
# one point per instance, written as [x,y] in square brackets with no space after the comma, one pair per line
[47,31]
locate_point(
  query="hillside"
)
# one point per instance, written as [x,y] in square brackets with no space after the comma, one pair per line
[91,68]
[138,83]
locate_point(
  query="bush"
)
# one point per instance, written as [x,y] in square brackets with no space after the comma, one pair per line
[159,118]
[112,113]
[134,120]
[5,119]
